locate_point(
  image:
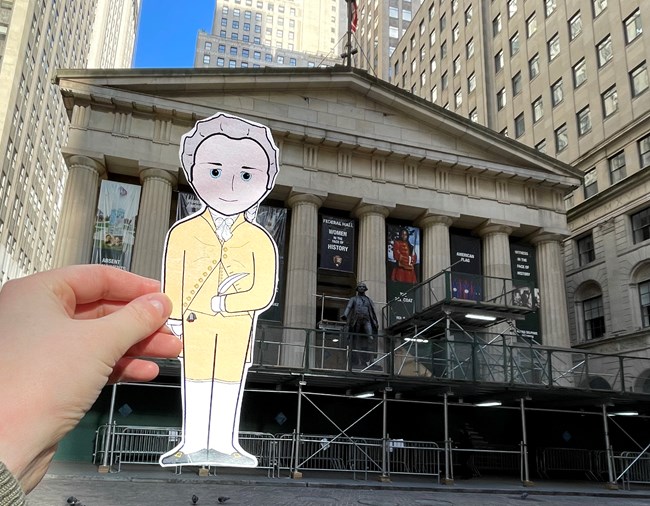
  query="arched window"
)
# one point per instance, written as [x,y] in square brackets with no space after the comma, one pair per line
[590,311]
[641,285]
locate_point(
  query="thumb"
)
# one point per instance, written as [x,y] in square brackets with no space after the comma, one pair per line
[137,320]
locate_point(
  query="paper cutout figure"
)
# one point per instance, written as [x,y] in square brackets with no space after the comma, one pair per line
[220,270]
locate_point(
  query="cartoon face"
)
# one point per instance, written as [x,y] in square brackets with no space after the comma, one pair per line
[230,175]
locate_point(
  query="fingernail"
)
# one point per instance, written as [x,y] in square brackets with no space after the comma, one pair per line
[158,305]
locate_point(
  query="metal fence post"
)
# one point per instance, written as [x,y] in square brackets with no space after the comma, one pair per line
[105,468]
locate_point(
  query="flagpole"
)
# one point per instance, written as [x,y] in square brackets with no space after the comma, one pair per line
[348,47]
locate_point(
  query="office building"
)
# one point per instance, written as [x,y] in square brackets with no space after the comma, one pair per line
[262,33]
[570,79]
[37,37]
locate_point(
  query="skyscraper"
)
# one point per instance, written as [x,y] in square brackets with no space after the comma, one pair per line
[569,78]
[257,33]
[37,37]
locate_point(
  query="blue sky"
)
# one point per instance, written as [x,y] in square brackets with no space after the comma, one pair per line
[168,30]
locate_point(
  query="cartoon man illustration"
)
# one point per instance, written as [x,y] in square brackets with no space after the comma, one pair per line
[220,270]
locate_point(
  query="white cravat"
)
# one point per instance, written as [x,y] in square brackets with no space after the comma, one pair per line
[223,225]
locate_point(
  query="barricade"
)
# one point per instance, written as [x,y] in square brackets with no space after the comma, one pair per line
[551,460]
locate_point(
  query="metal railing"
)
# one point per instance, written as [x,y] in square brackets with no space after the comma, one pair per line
[145,445]
[464,356]
[459,287]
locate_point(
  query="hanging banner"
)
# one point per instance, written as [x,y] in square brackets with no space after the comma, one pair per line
[337,244]
[403,268]
[525,290]
[274,220]
[114,235]
[188,203]
[466,269]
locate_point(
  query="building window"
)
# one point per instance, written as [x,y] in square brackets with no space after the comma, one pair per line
[533,66]
[458,99]
[235,24]
[561,138]
[610,101]
[639,79]
[292,62]
[443,22]
[444,81]
[516,84]
[514,44]
[232,63]
[520,127]
[422,27]
[575,26]
[432,65]
[557,95]
[584,121]
[393,32]
[531,25]
[220,62]
[471,83]
[454,5]
[423,78]
[512,8]
[221,48]
[579,73]
[501,99]
[434,94]
[393,12]
[280,59]
[644,298]
[591,183]
[644,151]
[550,6]
[604,50]
[206,59]
[468,15]
[617,167]
[432,38]
[208,46]
[496,25]
[443,49]
[455,34]
[541,146]
[586,251]
[538,109]
[414,65]
[456,65]
[641,225]
[633,26]
[233,50]
[498,61]
[599,6]
[554,47]
[257,55]
[473,115]
[594,317]
[469,49]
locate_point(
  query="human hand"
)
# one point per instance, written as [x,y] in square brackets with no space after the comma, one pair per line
[64,335]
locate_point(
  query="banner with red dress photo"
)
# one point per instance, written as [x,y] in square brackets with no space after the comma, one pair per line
[403,266]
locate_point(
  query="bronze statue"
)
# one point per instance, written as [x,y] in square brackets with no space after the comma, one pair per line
[362,323]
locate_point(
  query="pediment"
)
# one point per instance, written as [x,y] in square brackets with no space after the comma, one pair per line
[332,106]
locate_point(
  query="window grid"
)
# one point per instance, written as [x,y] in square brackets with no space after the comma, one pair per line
[594,317]
[586,250]
[641,225]
[617,167]
[644,298]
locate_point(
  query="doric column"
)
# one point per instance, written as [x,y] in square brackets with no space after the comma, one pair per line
[496,259]
[371,255]
[436,252]
[74,239]
[302,268]
[553,313]
[435,256]
[153,221]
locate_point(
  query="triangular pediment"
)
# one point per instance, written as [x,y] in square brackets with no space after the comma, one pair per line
[331,106]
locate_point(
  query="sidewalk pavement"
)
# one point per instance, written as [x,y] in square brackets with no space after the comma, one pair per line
[342,480]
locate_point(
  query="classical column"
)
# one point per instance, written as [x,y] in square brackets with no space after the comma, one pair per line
[496,260]
[553,313]
[371,255]
[300,294]
[74,238]
[436,254]
[153,221]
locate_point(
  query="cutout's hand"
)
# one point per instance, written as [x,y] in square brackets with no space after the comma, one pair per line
[218,303]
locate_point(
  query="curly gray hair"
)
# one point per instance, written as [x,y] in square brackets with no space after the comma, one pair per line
[233,128]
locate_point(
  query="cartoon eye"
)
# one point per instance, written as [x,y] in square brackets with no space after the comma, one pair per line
[215,173]
[246,176]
